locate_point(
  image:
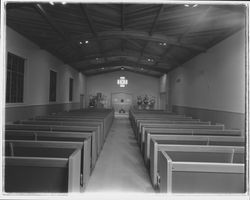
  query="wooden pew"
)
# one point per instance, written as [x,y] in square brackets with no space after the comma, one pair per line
[189,133]
[175,126]
[107,115]
[86,159]
[140,122]
[199,169]
[158,145]
[94,125]
[106,121]
[54,128]
[75,120]
[42,166]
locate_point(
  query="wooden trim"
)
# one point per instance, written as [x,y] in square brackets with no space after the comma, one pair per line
[44,144]
[208,167]
[169,171]
[74,171]
[202,148]
[36,161]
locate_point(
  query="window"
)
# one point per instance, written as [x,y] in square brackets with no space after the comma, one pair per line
[71,82]
[52,86]
[122,82]
[15,79]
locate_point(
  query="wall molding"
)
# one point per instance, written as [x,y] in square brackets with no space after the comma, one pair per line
[231,120]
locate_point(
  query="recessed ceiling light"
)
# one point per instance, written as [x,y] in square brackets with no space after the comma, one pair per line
[162,43]
[122,68]
[86,42]
[80,42]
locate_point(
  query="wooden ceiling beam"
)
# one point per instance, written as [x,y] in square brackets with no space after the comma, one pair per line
[122,16]
[89,19]
[92,28]
[114,69]
[141,35]
[195,23]
[151,30]
[40,9]
[121,63]
[117,53]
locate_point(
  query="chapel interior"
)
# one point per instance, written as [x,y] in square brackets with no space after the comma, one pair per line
[125,97]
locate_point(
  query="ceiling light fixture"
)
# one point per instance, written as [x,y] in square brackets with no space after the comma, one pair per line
[102,68]
[186,5]
[63,3]
[122,68]
[195,5]
[163,44]
[86,42]
[51,3]
[80,42]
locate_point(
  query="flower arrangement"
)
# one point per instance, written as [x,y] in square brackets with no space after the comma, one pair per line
[145,102]
[139,100]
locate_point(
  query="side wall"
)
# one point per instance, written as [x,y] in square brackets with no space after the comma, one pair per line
[38,63]
[211,86]
[138,85]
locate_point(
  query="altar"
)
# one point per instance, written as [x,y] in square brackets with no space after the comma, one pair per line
[121,103]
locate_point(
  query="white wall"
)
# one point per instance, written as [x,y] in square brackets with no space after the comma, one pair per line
[213,80]
[37,68]
[137,85]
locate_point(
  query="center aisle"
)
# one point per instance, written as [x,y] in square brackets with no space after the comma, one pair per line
[120,167]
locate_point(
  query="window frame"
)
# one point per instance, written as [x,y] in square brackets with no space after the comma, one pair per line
[71,89]
[20,74]
[52,94]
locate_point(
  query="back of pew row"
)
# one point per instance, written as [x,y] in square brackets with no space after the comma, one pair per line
[107,115]
[167,121]
[86,159]
[161,139]
[143,125]
[106,122]
[186,132]
[54,128]
[141,139]
[169,118]
[158,145]
[63,119]
[198,169]
[95,125]
[42,166]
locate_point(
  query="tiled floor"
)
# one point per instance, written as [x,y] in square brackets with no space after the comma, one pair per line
[120,167]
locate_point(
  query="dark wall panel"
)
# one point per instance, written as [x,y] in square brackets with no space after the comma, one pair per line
[231,120]
[24,112]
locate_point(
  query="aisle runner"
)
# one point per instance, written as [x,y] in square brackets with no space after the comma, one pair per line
[120,166]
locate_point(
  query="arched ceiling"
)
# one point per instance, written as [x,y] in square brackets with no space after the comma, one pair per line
[150,39]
